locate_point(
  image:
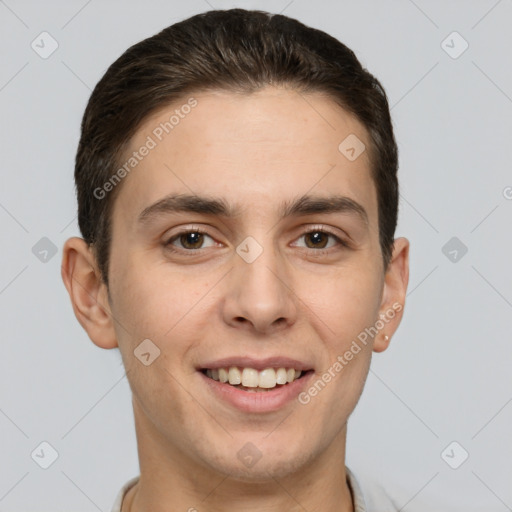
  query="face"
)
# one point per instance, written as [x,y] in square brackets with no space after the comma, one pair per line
[246,239]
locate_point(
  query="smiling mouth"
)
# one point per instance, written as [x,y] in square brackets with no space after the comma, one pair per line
[252,380]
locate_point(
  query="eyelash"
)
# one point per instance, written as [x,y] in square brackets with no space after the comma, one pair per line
[315,229]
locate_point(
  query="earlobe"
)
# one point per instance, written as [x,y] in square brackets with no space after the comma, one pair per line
[88,293]
[381,342]
[392,306]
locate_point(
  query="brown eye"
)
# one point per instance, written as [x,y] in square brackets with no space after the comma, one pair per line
[192,240]
[320,239]
[317,239]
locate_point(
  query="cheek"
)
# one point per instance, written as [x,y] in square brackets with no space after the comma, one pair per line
[164,311]
[346,302]
[165,307]
[141,297]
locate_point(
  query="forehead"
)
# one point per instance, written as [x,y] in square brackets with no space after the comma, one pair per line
[247,147]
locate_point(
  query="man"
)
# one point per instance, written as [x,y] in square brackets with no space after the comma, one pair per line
[237,195]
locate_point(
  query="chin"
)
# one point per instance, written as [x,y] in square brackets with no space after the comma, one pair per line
[268,466]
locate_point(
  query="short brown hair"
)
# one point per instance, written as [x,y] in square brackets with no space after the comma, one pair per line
[232,50]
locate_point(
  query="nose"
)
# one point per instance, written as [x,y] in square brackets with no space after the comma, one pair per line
[259,296]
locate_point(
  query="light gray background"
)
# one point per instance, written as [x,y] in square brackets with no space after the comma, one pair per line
[446,376]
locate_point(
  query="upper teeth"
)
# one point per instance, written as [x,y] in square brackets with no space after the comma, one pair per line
[251,378]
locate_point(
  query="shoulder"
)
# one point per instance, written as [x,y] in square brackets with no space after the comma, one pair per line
[121,494]
[369,496]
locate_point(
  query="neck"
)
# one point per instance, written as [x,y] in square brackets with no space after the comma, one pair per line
[169,478]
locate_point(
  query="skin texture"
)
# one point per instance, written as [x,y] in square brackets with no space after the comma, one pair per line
[254,151]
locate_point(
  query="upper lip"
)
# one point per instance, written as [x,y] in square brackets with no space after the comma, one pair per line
[257,364]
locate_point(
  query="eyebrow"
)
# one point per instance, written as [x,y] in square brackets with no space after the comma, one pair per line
[305,205]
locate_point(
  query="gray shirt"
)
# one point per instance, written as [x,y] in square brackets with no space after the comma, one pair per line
[369,499]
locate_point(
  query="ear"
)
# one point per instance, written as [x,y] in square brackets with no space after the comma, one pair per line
[393,294]
[88,293]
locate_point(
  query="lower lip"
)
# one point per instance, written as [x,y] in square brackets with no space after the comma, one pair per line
[259,401]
